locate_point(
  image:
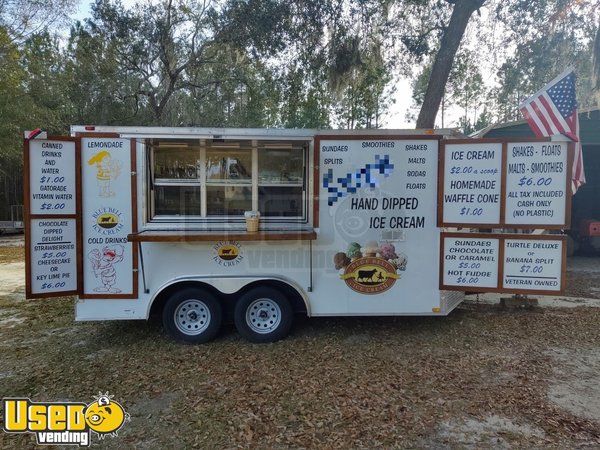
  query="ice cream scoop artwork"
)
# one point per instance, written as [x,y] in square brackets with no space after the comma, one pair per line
[354,251]
[370,249]
[387,251]
[341,260]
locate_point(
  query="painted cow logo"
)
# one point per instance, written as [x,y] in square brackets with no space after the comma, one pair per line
[370,275]
[227,253]
[107,220]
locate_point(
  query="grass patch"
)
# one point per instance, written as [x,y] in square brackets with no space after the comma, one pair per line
[12,254]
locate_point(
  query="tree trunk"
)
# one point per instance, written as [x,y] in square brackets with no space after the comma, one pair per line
[596,66]
[463,9]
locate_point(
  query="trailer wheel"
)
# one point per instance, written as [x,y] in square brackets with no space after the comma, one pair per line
[263,314]
[192,315]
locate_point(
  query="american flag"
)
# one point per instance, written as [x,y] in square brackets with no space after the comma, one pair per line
[553,110]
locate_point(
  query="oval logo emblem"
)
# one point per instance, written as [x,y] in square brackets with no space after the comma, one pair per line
[370,275]
[107,220]
[228,252]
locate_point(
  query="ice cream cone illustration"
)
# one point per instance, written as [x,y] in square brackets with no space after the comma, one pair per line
[107,170]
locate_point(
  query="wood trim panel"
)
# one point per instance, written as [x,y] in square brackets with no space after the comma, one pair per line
[212,236]
[375,137]
[134,217]
[501,239]
[27,217]
[96,134]
[316,180]
[440,185]
[503,173]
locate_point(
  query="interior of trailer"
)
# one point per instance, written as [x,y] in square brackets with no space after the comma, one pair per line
[207,185]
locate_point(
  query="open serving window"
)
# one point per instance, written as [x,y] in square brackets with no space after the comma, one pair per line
[215,181]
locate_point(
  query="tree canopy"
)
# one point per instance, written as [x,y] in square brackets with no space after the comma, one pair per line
[284,63]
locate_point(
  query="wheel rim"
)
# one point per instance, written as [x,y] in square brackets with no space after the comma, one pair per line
[263,315]
[192,317]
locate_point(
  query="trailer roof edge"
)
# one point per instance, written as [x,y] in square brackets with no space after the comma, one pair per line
[244,133]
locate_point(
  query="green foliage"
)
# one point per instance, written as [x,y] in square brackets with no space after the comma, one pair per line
[266,63]
[11,95]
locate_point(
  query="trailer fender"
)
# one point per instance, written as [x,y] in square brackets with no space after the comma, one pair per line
[229,285]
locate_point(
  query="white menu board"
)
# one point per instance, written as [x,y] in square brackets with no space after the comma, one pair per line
[472,183]
[52,244]
[107,217]
[470,262]
[533,264]
[52,177]
[536,183]
[502,263]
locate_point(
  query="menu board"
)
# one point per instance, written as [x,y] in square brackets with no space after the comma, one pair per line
[472,183]
[507,184]
[52,244]
[482,262]
[51,217]
[536,183]
[52,177]
[470,262]
[533,264]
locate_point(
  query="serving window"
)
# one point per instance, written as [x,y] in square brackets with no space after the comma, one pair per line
[218,181]
[281,182]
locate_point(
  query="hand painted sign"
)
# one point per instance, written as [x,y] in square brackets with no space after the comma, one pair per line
[537,184]
[52,177]
[51,217]
[472,183]
[377,220]
[470,262]
[107,216]
[520,264]
[531,264]
[501,183]
[53,247]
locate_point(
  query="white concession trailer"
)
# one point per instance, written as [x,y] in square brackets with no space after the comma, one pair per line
[138,221]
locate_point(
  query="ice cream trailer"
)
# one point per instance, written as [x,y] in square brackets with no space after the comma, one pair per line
[202,226]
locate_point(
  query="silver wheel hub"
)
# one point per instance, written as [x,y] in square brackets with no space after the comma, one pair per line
[192,317]
[263,315]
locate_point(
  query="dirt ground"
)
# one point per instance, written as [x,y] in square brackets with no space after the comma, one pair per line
[481,377]
[583,277]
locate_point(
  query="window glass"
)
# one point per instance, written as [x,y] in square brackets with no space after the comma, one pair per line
[176,162]
[228,165]
[178,188]
[228,200]
[177,200]
[280,166]
[280,201]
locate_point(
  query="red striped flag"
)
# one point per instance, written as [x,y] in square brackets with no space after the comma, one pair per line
[552,111]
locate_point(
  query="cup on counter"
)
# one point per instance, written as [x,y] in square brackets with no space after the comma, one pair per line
[252,220]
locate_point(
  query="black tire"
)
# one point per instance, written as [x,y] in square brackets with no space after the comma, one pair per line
[198,310]
[275,306]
